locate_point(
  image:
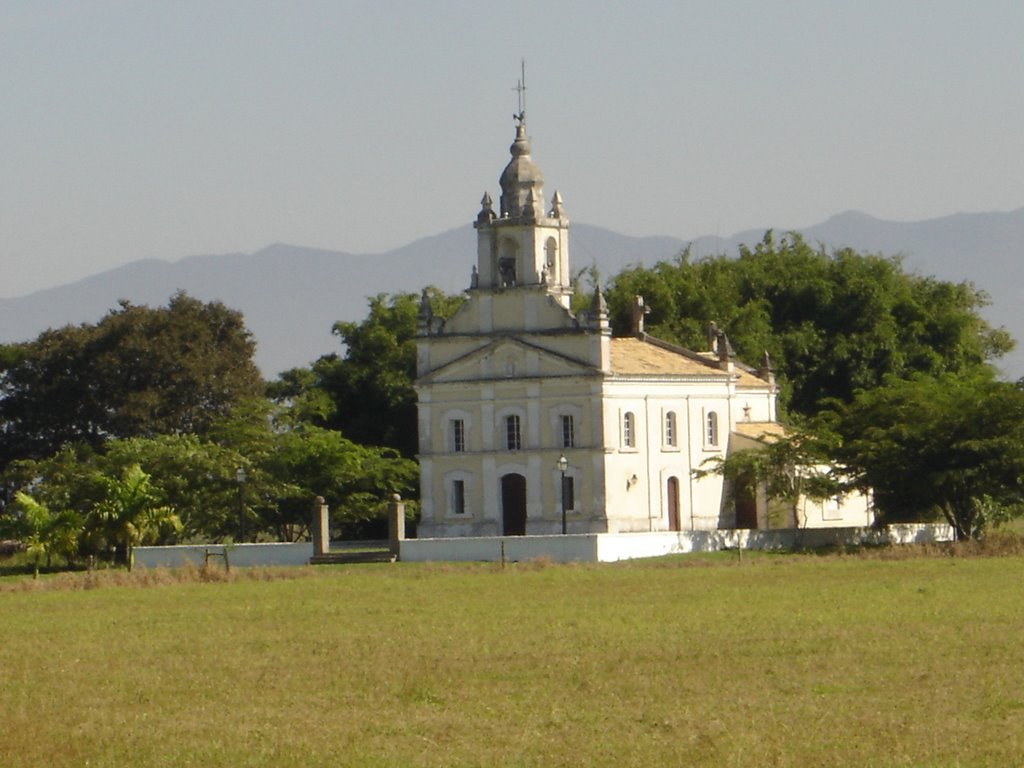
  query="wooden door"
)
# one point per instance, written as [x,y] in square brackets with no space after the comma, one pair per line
[673,504]
[513,505]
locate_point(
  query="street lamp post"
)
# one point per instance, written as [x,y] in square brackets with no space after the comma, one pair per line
[563,464]
[241,477]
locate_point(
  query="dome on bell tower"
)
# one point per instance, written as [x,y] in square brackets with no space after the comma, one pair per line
[523,245]
[520,178]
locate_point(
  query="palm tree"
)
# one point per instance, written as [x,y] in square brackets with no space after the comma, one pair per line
[129,515]
[43,532]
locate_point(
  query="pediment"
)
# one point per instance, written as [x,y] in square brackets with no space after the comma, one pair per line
[509,358]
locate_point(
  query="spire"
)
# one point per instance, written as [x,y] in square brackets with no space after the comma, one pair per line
[486,215]
[425,316]
[557,210]
[521,176]
[530,209]
[599,308]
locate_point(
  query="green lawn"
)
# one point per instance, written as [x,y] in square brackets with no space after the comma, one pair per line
[782,660]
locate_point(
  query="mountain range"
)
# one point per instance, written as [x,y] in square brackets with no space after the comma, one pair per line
[291,296]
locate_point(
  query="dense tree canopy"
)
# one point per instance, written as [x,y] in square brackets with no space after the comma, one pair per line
[190,488]
[832,323]
[142,425]
[947,445]
[139,371]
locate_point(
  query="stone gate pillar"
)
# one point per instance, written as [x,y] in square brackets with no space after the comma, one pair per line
[321,527]
[396,524]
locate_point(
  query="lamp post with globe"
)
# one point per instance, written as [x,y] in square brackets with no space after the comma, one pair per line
[563,464]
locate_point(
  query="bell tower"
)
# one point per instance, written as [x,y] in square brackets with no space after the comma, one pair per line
[524,245]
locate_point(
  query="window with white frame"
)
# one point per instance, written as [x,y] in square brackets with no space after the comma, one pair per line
[671,432]
[628,430]
[568,431]
[711,428]
[513,433]
[458,427]
[458,486]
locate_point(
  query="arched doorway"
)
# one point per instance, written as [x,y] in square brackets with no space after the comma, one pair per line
[513,505]
[673,503]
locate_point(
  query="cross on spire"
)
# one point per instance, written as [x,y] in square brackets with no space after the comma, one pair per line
[521,89]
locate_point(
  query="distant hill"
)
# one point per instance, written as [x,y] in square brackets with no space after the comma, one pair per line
[291,296]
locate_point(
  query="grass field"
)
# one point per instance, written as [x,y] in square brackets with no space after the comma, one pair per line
[780,660]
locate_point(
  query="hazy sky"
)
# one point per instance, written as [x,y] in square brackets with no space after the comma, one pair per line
[134,130]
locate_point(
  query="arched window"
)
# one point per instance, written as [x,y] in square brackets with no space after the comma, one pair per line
[458,435]
[671,434]
[513,434]
[551,257]
[458,497]
[568,431]
[458,426]
[628,430]
[507,252]
[711,434]
[565,421]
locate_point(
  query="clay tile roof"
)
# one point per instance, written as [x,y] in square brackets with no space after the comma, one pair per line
[635,357]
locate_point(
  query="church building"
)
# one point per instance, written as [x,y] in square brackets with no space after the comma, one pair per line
[533,419]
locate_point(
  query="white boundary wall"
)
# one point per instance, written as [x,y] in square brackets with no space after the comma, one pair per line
[583,548]
[240,555]
[611,547]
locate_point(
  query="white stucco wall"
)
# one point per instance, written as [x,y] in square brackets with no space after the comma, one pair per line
[239,555]
[851,509]
[611,547]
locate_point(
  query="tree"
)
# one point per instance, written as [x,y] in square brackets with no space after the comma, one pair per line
[138,372]
[369,392]
[43,533]
[130,514]
[195,477]
[290,461]
[788,469]
[949,445]
[833,323]
[355,480]
[287,464]
[71,479]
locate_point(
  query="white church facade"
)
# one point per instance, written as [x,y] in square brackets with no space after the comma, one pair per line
[533,419]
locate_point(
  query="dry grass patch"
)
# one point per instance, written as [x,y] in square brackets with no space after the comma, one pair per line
[155,577]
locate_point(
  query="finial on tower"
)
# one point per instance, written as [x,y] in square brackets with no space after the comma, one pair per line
[557,207]
[520,117]
[486,215]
